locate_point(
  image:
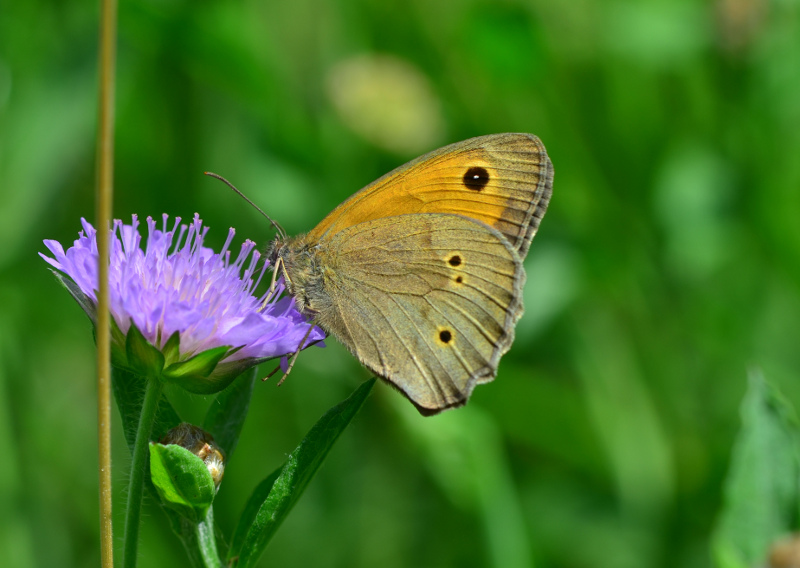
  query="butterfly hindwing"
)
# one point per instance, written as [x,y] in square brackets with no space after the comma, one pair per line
[427,301]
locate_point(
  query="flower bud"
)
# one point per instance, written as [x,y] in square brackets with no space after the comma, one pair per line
[201,444]
[186,468]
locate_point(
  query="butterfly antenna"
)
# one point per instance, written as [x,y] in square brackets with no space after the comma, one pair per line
[275,224]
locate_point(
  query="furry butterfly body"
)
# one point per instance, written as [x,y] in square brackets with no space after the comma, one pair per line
[420,273]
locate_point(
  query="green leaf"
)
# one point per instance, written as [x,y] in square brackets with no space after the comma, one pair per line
[252,509]
[225,416]
[195,374]
[143,358]
[761,491]
[182,480]
[274,497]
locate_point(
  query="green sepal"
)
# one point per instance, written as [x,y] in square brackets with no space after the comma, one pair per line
[274,497]
[143,358]
[236,367]
[182,481]
[197,375]
[172,348]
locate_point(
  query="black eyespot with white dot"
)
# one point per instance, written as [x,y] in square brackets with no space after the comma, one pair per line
[476,178]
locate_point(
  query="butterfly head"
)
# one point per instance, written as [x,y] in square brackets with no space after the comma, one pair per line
[296,260]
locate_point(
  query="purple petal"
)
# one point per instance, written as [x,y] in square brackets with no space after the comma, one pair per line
[177,284]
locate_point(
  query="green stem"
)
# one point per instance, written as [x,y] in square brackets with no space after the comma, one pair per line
[141,452]
[199,541]
[206,543]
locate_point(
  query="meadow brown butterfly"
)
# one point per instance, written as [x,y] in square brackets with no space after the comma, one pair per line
[420,273]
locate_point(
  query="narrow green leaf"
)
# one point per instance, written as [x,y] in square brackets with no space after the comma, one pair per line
[143,358]
[225,416]
[182,480]
[251,510]
[761,491]
[292,480]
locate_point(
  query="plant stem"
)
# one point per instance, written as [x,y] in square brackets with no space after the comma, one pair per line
[105,168]
[206,543]
[141,452]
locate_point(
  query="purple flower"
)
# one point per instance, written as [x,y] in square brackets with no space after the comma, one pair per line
[192,305]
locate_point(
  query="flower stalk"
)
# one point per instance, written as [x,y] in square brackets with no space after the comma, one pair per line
[104,196]
[207,545]
[152,395]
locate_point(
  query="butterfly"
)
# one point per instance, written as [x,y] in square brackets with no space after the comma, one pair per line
[420,273]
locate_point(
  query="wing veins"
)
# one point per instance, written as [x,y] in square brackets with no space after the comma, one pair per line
[470,318]
[459,356]
[429,381]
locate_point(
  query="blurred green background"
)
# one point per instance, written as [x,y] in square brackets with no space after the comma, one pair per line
[668,263]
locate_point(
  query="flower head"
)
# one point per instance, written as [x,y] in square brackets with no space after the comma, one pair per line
[185,300]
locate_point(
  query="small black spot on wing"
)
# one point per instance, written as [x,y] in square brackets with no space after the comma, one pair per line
[445,336]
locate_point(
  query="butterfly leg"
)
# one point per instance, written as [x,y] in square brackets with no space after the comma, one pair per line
[273,285]
[293,359]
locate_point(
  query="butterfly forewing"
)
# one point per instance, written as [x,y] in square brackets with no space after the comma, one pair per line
[503,180]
